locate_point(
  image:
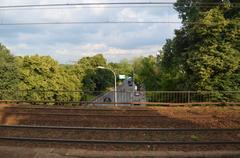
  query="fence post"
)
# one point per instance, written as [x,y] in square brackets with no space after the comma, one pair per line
[16,97]
[189,99]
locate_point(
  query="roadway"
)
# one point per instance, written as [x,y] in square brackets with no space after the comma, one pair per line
[125,94]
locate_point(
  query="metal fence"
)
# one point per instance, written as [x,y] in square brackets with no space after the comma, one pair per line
[123,96]
[49,95]
[193,96]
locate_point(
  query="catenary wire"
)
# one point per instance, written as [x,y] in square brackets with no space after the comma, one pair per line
[103,4]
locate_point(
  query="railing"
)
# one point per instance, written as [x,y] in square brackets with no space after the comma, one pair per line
[193,96]
[141,97]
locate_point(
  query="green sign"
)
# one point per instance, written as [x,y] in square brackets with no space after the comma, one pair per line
[122,77]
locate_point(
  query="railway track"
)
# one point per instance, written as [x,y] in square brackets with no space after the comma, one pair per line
[58,134]
[101,117]
[120,142]
[84,111]
[89,112]
[79,115]
[36,107]
[121,115]
[106,127]
[120,129]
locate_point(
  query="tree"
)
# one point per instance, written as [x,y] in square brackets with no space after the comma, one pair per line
[42,78]
[214,59]
[95,79]
[147,72]
[8,71]
[190,10]
[205,51]
[122,68]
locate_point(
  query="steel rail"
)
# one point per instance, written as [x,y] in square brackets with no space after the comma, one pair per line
[117,142]
[96,115]
[82,115]
[120,129]
[82,109]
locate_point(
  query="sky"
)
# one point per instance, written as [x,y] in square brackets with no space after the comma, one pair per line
[68,43]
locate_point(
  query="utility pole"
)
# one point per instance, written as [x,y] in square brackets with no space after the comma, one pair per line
[133,89]
[115,83]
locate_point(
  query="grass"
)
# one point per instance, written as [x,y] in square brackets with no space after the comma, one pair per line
[195,138]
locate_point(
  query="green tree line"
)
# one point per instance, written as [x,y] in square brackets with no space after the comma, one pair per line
[204,55]
[43,78]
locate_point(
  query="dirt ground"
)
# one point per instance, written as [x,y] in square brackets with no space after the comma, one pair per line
[123,117]
[162,117]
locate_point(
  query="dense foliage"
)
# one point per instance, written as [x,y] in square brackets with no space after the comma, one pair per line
[204,55]
[8,69]
[43,78]
[42,73]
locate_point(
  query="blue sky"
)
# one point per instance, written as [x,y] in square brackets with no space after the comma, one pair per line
[67,43]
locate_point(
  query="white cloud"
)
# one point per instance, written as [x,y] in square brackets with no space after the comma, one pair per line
[70,52]
[70,42]
[128,14]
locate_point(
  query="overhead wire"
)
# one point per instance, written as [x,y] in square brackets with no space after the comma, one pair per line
[85,4]
[98,22]
[94,5]
[86,7]
[92,22]
[106,7]
[106,4]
